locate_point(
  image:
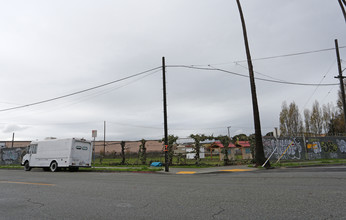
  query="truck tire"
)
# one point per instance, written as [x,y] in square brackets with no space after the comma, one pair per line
[27,166]
[53,166]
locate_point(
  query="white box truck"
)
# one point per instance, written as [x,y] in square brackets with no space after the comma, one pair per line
[54,154]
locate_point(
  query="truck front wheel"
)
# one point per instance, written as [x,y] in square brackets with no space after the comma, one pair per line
[27,166]
[53,166]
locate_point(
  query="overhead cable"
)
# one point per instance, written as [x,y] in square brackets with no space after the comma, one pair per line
[274,57]
[292,54]
[257,78]
[79,92]
[324,76]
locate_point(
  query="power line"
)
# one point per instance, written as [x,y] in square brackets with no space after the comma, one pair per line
[106,91]
[90,96]
[246,76]
[324,76]
[81,91]
[157,68]
[327,94]
[259,73]
[292,54]
[272,57]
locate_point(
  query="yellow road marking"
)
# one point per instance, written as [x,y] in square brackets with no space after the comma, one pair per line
[186,172]
[236,170]
[40,184]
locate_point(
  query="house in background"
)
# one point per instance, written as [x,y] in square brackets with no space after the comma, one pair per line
[190,152]
[186,147]
[241,150]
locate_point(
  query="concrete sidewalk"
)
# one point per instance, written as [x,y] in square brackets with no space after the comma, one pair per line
[189,171]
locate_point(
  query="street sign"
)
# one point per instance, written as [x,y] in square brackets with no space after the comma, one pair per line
[94,133]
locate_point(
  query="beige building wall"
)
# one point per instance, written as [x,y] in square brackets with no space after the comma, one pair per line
[8,144]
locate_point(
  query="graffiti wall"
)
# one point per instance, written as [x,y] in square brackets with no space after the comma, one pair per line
[11,156]
[286,148]
[326,148]
[310,148]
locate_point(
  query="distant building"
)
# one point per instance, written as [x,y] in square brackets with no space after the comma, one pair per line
[190,152]
[111,146]
[241,150]
[8,144]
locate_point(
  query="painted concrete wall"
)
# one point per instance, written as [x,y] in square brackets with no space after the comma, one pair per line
[310,148]
[11,155]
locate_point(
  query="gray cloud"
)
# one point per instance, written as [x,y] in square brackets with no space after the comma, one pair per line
[13,128]
[49,49]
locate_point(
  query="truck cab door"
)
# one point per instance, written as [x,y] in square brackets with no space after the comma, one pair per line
[30,153]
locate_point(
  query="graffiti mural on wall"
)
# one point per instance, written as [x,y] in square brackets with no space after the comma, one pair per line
[11,155]
[313,148]
[292,146]
[342,145]
[326,148]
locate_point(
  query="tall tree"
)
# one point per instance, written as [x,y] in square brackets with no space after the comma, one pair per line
[339,103]
[291,123]
[284,119]
[307,117]
[316,118]
[340,114]
[171,141]
[122,144]
[225,141]
[328,114]
[295,120]
[198,138]
[337,124]
[142,152]
[240,137]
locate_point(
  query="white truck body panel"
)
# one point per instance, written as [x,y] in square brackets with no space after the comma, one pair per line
[66,152]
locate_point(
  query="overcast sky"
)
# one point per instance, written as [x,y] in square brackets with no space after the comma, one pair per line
[50,49]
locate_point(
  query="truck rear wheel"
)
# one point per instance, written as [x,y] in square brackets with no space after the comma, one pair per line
[53,166]
[27,166]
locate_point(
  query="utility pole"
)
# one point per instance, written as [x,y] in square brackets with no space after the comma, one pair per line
[165,114]
[342,4]
[341,78]
[104,138]
[229,134]
[259,157]
[276,133]
[94,135]
[12,139]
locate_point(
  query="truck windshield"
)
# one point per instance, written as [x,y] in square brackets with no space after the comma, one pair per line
[33,148]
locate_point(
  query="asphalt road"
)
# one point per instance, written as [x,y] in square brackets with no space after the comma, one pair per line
[299,193]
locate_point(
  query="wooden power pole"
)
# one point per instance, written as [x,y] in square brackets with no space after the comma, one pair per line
[341,78]
[342,4]
[165,114]
[259,156]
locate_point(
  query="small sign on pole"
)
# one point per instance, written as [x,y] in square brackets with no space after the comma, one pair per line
[94,133]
